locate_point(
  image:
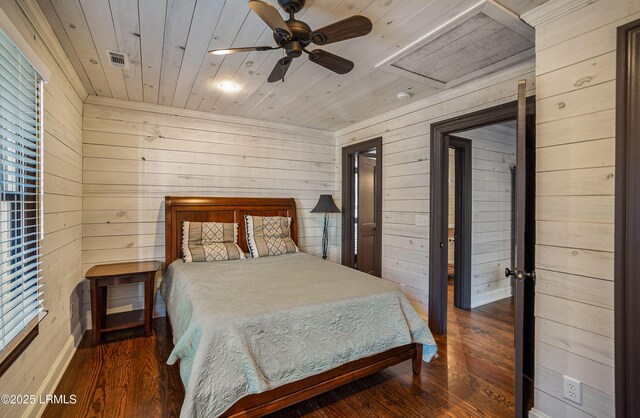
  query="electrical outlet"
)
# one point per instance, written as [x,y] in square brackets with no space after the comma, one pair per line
[422,220]
[572,389]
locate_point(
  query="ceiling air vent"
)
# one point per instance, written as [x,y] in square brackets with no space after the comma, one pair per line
[118,59]
[481,40]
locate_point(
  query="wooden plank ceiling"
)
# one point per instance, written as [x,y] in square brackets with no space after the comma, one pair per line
[167,41]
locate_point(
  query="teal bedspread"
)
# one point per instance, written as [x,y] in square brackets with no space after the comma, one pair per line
[247,326]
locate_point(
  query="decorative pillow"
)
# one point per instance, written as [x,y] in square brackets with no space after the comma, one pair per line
[210,241]
[269,235]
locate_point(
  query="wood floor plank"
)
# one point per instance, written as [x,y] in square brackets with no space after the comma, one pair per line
[472,376]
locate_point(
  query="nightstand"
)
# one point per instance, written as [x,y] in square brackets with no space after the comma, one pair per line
[105,275]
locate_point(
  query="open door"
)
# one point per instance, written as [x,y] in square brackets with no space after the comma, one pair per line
[367,222]
[523,272]
[627,223]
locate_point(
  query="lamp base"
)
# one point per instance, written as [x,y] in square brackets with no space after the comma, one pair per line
[325,237]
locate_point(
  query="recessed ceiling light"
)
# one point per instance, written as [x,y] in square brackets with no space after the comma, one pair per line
[229,86]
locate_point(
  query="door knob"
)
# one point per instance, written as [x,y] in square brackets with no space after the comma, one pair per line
[519,274]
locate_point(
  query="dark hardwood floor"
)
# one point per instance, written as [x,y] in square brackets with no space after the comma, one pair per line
[127,376]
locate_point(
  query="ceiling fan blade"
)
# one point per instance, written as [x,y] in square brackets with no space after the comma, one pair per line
[244,49]
[280,70]
[332,62]
[351,27]
[270,15]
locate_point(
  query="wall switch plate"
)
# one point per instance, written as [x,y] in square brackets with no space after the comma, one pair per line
[572,389]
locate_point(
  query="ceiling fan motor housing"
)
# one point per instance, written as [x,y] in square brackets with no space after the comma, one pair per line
[299,30]
[293,49]
[299,39]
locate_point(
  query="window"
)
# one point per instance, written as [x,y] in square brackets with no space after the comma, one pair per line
[20,199]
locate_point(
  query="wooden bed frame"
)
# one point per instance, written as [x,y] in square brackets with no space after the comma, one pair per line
[226,209]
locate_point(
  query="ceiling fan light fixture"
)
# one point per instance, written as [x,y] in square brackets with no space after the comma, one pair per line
[228,86]
[220,52]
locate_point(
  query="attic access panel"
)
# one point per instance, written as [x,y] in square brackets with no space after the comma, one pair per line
[481,40]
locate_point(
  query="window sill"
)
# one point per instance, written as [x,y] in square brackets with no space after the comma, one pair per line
[18,349]
[28,335]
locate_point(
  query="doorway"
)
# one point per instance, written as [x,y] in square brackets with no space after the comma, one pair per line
[362,206]
[450,136]
[481,214]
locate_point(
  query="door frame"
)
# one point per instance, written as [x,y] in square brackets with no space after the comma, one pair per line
[439,198]
[627,225]
[463,203]
[348,203]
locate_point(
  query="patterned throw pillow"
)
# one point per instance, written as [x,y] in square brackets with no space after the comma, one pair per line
[269,235]
[210,241]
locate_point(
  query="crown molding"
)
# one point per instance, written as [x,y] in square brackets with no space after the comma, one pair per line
[34,14]
[552,10]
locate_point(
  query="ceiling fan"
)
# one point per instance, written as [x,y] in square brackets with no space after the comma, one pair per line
[294,36]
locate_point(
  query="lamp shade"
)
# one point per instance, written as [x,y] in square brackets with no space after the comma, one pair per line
[325,205]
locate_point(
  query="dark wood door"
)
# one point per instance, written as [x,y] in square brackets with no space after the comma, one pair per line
[627,224]
[523,272]
[367,222]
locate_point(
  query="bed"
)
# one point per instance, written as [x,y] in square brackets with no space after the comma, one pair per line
[254,336]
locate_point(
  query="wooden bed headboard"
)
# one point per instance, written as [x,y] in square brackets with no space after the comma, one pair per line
[219,209]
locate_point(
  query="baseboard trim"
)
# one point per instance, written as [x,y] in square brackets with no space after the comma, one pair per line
[492,296]
[534,413]
[58,368]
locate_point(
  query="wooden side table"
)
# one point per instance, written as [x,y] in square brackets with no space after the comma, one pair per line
[104,275]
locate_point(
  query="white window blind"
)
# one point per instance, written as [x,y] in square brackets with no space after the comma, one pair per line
[20,195]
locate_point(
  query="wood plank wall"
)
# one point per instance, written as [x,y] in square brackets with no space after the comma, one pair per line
[493,153]
[39,368]
[405,136]
[136,153]
[575,74]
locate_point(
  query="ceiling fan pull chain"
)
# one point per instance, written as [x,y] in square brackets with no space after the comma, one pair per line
[283,73]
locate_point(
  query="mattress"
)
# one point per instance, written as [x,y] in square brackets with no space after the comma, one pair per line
[248,326]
